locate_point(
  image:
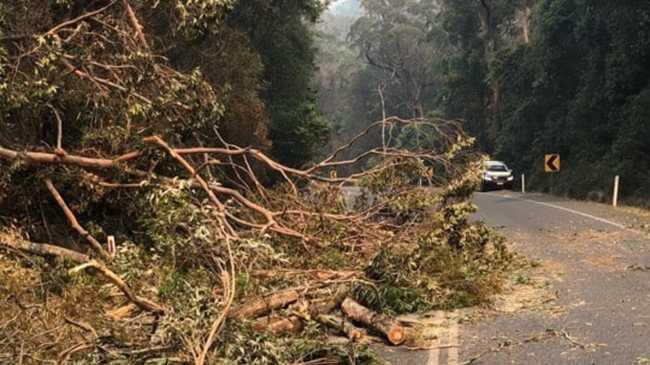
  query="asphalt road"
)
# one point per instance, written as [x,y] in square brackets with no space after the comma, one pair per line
[596,279]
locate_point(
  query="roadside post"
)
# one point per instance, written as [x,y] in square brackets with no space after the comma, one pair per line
[615,199]
[523,183]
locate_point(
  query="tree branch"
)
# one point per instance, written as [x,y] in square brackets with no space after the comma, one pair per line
[74,223]
[42,249]
[133,19]
[52,158]
[143,303]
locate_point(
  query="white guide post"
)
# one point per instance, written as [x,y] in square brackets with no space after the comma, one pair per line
[616,182]
[523,184]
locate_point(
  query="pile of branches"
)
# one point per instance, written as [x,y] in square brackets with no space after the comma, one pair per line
[276,259]
[131,230]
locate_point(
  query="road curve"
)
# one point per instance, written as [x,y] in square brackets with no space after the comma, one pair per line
[598,270]
[518,211]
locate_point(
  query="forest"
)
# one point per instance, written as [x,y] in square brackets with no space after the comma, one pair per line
[277,181]
[526,78]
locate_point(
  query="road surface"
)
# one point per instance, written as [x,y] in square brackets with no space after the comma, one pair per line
[594,272]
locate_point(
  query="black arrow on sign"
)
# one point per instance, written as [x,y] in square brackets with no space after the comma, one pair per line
[551,163]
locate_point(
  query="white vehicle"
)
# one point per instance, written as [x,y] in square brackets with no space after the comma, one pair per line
[496,175]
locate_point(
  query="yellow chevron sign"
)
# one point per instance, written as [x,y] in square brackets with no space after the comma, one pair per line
[552,163]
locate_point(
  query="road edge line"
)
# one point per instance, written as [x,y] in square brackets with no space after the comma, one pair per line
[568,210]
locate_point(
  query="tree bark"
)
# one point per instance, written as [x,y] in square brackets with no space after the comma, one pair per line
[265,305]
[342,325]
[394,333]
[43,249]
[278,326]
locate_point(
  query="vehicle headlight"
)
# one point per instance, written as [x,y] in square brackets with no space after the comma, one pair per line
[510,178]
[487,177]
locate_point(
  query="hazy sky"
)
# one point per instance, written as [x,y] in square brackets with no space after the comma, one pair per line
[348,7]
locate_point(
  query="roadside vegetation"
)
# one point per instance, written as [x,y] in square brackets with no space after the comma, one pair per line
[161,198]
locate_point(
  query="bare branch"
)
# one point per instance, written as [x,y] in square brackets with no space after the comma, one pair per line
[135,23]
[79,18]
[59,129]
[229,285]
[52,158]
[143,303]
[74,223]
[42,249]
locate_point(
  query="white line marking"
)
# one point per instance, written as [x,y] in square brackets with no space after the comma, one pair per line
[452,355]
[602,220]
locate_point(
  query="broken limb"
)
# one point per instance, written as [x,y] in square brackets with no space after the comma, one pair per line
[143,303]
[74,223]
[43,249]
[340,324]
[265,305]
[393,331]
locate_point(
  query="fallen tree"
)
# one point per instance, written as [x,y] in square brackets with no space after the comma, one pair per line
[306,210]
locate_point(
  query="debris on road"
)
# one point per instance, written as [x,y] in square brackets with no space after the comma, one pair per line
[208,264]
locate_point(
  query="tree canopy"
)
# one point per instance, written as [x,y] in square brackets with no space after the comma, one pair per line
[578,87]
[527,77]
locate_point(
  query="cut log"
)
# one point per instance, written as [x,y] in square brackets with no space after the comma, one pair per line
[278,326]
[394,332]
[342,325]
[322,307]
[265,305]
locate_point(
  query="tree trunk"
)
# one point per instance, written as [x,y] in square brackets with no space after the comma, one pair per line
[387,326]
[526,24]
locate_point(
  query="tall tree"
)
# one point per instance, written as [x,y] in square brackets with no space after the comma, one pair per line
[393,37]
[477,30]
[280,31]
[577,85]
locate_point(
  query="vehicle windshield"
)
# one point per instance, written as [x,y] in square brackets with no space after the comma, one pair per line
[497,168]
